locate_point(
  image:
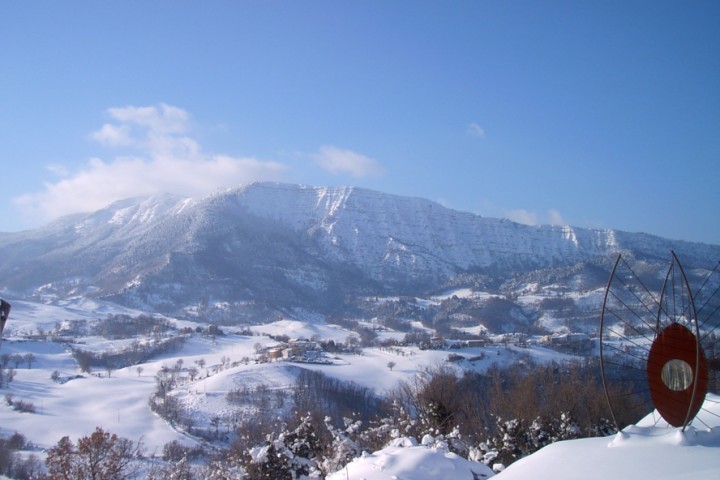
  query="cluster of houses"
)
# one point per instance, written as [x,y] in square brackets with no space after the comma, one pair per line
[307,351]
[297,350]
[577,343]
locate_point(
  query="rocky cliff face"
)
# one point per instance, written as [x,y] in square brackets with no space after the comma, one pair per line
[278,246]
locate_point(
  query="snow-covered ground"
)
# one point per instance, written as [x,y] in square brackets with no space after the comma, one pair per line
[305,330]
[642,451]
[119,403]
[404,458]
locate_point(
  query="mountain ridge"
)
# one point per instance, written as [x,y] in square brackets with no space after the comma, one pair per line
[293,246]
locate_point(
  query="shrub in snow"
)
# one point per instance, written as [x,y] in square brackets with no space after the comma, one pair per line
[380,432]
[516,439]
[509,444]
[289,455]
[22,406]
[6,375]
[602,428]
[268,462]
[303,448]
[452,442]
[568,428]
[541,433]
[175,451]
[343,447]
[14,465]
[178,470]
[219,470]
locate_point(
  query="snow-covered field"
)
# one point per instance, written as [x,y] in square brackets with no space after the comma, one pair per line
[306,330]
[80,402]
[119,402]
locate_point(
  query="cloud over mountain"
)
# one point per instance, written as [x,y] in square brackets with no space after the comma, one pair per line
[154,151]
[337,160]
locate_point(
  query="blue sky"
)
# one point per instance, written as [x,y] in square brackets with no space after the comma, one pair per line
[593,114]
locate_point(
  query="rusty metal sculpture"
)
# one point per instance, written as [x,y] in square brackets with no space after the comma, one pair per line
[652,346]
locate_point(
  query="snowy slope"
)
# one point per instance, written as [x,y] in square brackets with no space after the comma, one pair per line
[119,404]
[638,452]
[379,231]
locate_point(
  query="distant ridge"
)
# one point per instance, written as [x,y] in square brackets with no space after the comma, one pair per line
[280,246]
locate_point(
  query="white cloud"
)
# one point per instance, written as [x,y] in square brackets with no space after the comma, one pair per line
[476,130]
[113,135]
[158,128]
[527,217]
[555,217]
[58,170]
[161,118]
[164,161]
[522,216]
[336,160]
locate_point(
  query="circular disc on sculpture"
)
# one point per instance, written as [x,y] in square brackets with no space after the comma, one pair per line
[677,374]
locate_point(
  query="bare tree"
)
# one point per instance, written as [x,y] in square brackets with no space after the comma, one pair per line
[17,359]
[437,399]
[200,363]
[215,422]
[29,358]
[99,456]
[391,365]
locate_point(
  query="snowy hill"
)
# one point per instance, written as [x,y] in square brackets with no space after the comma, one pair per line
[68,401]
[266,248]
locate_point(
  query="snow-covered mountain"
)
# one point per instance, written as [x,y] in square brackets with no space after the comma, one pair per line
[276,246]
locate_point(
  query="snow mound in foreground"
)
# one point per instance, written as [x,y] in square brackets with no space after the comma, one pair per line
[649,449]
[405,459]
